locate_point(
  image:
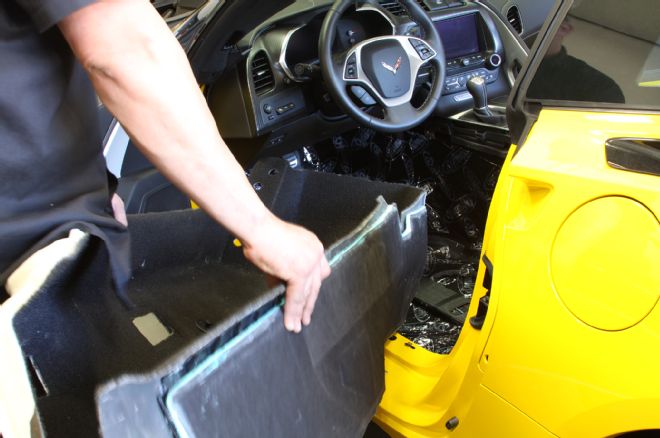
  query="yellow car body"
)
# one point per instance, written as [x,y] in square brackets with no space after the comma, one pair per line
[570,344]
[561,352]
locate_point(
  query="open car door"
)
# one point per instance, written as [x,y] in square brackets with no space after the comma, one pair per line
[564,327]
[576,248]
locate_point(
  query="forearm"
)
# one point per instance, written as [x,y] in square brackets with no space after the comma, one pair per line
[143,77]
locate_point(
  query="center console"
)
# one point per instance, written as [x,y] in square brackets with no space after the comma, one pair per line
[473,49]
[466,50]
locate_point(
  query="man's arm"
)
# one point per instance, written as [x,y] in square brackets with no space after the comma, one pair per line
[143,77]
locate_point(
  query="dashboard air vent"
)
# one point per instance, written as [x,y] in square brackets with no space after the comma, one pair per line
[262,75]
[424,6]
[513,15]
[393,7]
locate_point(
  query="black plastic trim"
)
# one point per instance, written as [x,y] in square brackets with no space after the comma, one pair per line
[478,320]
[634,155]
[488,276]
[522,114]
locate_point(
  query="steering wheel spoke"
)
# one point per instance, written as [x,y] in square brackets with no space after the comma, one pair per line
[422,51]
[400,114]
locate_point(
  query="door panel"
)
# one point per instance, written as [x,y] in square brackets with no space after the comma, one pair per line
[577,328]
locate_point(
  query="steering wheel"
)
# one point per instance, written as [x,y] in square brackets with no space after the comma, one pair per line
[386,67]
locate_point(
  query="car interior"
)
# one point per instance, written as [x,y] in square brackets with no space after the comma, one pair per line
[271,96]
[282,85]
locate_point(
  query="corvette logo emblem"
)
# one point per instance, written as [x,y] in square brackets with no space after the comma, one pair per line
[394,69]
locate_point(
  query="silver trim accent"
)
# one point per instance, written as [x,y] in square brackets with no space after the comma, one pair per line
[462,97]
[497,57]
[476,122]
[415,63]
[282,60]
[114,148]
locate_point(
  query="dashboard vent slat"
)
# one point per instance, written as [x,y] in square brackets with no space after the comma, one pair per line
[513,15]
[424,6]
[394,7]
[262,75]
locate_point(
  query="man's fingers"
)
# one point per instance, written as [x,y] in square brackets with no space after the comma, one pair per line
[311,299]
[296,293]
[300,300]
[325,268]
[303,270]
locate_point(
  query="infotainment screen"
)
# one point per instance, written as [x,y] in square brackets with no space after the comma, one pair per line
[459,35]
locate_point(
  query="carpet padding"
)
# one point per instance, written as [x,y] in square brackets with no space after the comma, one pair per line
[229,368]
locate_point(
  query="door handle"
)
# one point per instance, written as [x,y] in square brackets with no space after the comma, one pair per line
[477,321]
[639,155]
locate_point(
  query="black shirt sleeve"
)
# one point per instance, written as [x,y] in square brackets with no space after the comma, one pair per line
[47,13]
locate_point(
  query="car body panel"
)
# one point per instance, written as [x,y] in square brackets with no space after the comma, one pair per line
[543,343]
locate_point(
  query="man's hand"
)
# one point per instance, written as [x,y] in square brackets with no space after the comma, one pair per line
[295,256]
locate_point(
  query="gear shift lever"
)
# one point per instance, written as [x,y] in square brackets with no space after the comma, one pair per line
[477,88]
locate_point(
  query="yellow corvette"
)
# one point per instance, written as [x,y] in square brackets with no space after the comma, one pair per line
[530,129]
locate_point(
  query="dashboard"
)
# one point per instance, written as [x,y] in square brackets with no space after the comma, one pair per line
[283,95]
